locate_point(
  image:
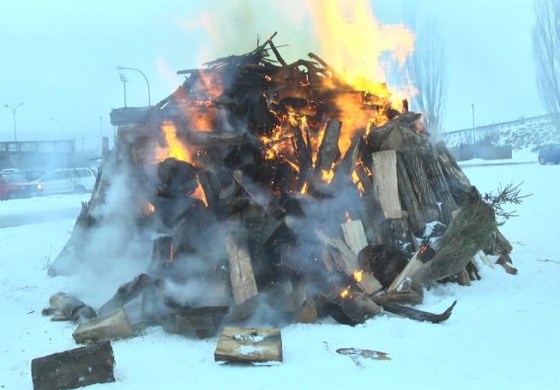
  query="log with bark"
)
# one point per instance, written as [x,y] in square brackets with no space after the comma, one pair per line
[74,368]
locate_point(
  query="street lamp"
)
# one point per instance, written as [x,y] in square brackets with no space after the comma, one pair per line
[60,124]
[143,75]
[14,109]
[124,81]
[472,108]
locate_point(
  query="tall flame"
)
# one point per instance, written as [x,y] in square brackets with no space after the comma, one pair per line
[175,147]
[356,44]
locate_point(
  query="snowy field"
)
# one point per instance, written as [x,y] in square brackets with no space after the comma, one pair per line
[504,332]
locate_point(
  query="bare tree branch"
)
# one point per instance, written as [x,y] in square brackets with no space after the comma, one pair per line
[546,50]
[427,71]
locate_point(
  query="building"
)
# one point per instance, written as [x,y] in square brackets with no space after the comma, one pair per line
[35,154]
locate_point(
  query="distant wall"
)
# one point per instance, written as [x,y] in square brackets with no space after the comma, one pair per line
[485,152]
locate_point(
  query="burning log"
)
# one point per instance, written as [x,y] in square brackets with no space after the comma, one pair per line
[348,262]
[281,151]
[74,368]
[329,151]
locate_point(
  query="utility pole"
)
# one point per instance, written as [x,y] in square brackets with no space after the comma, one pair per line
[472,135]
[124,81]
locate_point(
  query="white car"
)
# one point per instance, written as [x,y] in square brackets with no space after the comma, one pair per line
[61,181]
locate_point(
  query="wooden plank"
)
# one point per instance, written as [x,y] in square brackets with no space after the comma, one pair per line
[74,368]
[249,345]
[385,182]
[354,235]
[348,262]
[114,326]
[243,283]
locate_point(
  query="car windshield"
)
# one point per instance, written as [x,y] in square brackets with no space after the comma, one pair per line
[13,176]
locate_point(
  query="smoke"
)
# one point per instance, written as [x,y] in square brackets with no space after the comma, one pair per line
[119,248]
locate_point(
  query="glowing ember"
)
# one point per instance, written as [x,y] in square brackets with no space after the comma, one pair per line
[345,293]
[358,275]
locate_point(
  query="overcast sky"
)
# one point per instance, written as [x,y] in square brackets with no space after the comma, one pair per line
[59,56]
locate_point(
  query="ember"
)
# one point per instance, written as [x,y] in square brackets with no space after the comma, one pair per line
[253,167]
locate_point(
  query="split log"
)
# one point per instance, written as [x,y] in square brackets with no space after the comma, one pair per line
[303,152]
[438,182]
[383,261]
[74,368]
[260,195]
[408,197]
[458,182]
[249,345]
[201,321]
[243,283]
[354,235]
[348,262]
[422,187]
[328,151]
[385,183]
[113,326]
[126,293]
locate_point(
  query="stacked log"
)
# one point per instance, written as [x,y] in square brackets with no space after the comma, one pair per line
[270,210]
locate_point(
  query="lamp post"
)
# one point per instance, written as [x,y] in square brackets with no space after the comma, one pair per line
[124,81]
[472,108]
[60,124]
[143,75]
[14,109]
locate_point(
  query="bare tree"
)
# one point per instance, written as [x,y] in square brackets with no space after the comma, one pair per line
[427,71]
[546,49]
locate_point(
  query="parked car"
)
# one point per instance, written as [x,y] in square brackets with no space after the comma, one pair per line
[33,174]
[61,181]
[549,153]
[11,185]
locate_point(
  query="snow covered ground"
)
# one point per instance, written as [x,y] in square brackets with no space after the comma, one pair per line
[504,332]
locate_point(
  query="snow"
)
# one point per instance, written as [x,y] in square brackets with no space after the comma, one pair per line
[504,332]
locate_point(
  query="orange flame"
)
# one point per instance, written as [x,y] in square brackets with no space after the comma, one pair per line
[345,293]
[358,275]
[356,43]
[175,147]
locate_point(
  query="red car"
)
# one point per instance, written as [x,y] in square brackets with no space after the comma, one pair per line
[10,185]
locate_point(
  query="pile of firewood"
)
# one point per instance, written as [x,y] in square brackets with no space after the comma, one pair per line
[294,197]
